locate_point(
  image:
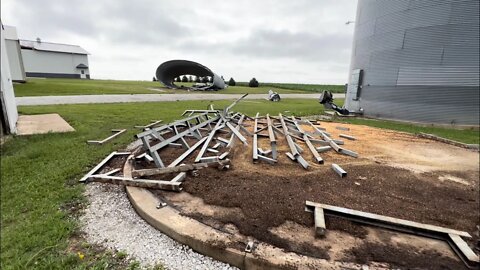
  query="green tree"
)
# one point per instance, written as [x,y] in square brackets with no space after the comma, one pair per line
[253,83]
[184,78]
[231,82]
[190,79]
[197,79]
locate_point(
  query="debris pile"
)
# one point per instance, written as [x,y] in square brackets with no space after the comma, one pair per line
[208,137]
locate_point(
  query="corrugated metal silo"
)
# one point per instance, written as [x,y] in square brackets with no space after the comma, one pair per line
[416,60]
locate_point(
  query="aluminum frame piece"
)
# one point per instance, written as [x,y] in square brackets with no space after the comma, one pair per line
[451,236]
[168,71]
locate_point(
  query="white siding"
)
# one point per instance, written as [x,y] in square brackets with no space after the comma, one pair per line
[53,62]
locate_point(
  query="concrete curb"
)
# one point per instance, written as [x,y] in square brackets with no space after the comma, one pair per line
[213,243]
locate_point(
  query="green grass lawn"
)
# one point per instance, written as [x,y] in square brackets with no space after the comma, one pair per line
[311,88]
[39,174]
[60,87]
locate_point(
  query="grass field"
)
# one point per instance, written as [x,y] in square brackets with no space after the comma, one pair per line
[312,88]
[40,193]
[60,87]
[39,177]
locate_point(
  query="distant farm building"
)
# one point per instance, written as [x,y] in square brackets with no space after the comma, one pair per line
[54,60]
[14,53]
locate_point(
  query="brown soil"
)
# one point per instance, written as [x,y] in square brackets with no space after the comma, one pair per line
[397,256]
[397,175]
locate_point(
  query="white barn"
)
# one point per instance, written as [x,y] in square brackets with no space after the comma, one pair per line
[12,46]
[54,60]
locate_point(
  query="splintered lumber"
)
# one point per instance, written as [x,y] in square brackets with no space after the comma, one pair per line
[347,137]
[453,237]
[117,133]
[181,168]
[339,170]
[144,183]
[102,163]
[267,159]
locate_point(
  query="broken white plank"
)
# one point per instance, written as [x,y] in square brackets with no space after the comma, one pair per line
[342,128]
[319,218]
[464,248]
[321,149]
[101,164]
[347,137]
[267,159]
[180,177]
[209,159]
[212,150]
[117,133]
[114,171]
[224,155]
[348,152]
[237,133]
[290,156]
[187,153]
[154,123]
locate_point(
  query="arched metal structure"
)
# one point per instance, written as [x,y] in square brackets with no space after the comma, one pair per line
[168,71]
[416,61]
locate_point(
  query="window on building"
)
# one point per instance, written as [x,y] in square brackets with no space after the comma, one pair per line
[83,71]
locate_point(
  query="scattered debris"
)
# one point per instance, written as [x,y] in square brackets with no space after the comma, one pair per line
[152,124]
[347,137]
[339,170]
[273,96]
[250,246]
[342,128]
[117,133]
[453,237]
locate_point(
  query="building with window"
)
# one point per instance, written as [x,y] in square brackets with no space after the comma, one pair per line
[54,60]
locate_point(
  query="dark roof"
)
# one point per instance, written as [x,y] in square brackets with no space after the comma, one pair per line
[82,66]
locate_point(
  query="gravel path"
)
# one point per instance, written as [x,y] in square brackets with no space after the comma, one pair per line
[86,99]
[110,221]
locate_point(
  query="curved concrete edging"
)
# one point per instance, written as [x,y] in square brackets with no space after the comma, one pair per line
[210,242]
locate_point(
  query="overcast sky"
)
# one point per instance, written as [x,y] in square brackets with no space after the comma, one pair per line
[301,41]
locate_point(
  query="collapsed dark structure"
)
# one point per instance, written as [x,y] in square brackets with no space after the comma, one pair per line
[168,71]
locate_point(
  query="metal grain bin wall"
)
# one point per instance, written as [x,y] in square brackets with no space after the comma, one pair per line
[419,61]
